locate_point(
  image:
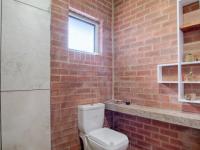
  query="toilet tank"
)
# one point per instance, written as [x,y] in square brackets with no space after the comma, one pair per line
[90,117]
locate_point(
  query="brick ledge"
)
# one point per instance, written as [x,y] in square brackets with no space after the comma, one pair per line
[169,116]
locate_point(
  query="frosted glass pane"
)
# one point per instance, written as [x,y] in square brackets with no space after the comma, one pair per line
[81,35]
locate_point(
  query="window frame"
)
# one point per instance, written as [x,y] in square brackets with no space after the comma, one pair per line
[91,21]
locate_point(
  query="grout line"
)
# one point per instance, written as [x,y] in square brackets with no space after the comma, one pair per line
[24,90]
[32,6]
[113,54]
[0,71]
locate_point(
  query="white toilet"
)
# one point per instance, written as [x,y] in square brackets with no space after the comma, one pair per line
[94,136]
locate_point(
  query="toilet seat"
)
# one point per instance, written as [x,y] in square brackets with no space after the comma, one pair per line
[108,139]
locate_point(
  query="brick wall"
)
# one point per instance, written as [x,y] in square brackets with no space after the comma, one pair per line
[77,78]
[147,134]
[145,35]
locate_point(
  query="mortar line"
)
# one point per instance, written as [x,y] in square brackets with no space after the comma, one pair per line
[113,52]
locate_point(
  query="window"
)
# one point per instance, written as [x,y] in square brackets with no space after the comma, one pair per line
[83,33]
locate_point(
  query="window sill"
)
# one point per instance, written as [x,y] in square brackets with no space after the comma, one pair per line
[84,52]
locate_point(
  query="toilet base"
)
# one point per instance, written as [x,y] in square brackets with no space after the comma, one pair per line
[92,145]
[85,142]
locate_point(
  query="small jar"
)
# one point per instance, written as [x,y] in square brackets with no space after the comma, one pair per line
[127,102]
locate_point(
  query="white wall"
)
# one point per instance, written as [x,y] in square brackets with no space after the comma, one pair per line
[25,75]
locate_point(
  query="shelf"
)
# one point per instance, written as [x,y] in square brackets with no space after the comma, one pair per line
[191,21]
[186,22]
[176,64]
[184,82]
[187,2]
[167,65]
[160,78]
[191,82]
[190,101]
[193,46]
[175,117]
[168,82]
[191,63]
[190,27]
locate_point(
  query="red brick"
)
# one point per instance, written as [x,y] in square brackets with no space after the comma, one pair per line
[160,124]
[143,120]
[169,133]
[178,128]
[152,141]
[144,132]
[176,142]
[137,136]
[151,128]
[170,147]
[144,144]
[160,137]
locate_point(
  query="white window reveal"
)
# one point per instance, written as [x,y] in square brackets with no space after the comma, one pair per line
[83,33]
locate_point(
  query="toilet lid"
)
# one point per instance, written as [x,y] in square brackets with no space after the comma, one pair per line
[108,138]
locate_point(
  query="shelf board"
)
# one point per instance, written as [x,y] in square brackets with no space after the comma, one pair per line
[167,81]
[190,27]
[167,65]
[184,82]
[191,82]
[176,64]
[191,63]
[191,21]
[187,2]
[190,101]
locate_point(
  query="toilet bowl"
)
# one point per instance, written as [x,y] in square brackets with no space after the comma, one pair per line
[94,136]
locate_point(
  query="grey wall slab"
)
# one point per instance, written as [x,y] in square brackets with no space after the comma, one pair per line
[25,47]
[26,120]
[25,76]
[42,4]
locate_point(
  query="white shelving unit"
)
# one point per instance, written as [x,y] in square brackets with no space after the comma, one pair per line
[190,101]
[190,63]
[181,47]
[160,72]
